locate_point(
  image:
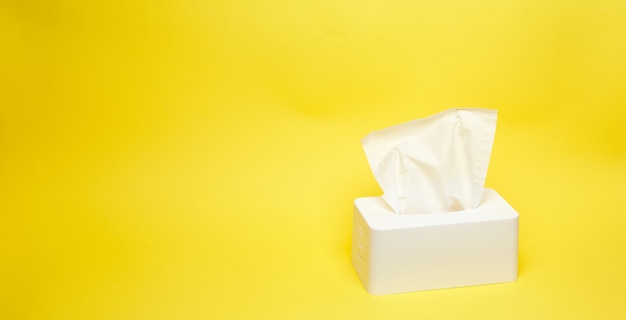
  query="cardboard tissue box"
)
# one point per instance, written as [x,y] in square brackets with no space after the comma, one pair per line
[435,226]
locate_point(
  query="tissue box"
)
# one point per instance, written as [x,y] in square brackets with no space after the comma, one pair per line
[402,253]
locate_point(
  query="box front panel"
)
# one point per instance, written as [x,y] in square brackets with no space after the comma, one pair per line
[443,256]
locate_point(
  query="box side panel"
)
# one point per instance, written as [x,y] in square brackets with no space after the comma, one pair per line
[360,247]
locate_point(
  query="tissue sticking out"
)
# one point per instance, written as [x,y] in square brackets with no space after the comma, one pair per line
[436,164]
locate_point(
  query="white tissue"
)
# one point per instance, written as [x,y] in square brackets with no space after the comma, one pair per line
[436,164]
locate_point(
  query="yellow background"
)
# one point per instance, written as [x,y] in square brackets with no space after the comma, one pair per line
[198,159]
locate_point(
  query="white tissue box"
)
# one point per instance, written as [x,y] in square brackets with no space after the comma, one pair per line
[402,253]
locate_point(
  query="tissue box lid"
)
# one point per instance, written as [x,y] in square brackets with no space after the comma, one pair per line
[379,216]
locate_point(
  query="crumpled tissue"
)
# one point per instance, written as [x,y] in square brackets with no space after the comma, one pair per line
[435,164]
